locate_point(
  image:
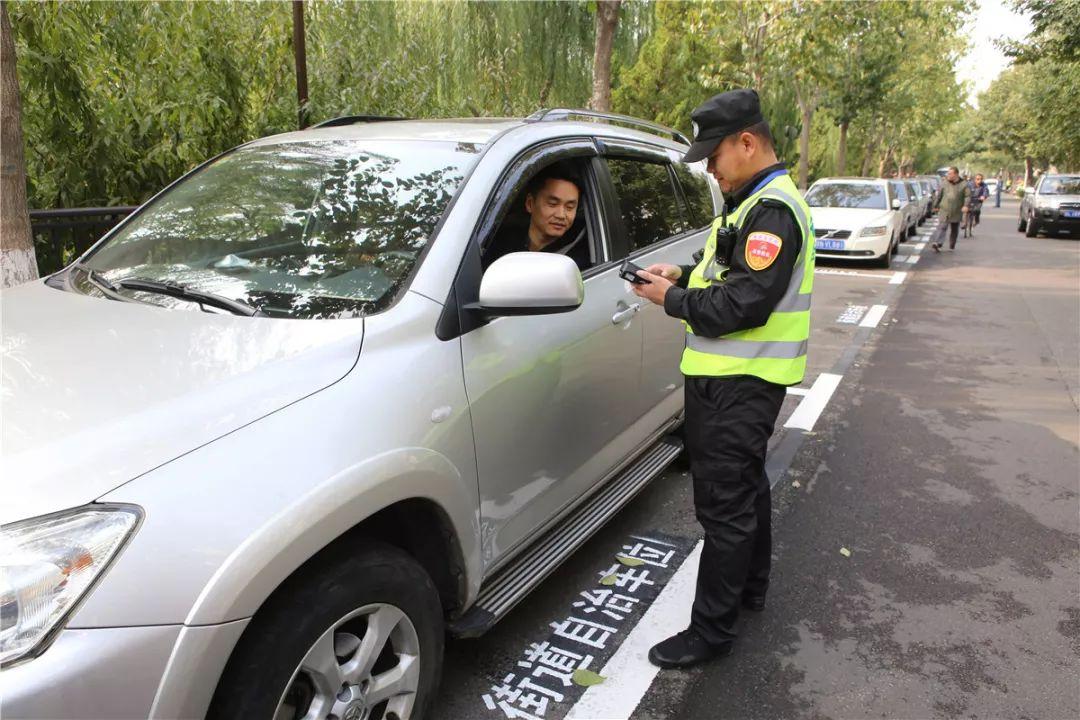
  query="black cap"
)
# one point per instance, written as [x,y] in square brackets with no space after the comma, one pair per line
[720,116]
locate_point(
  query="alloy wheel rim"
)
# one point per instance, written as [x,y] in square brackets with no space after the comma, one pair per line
[366,666]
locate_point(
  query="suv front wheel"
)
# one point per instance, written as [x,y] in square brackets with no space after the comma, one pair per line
[358,638]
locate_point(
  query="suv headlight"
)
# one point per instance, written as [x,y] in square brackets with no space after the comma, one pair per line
[48,564]
[872,231]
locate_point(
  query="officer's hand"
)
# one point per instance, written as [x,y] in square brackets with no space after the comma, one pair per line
[671,272]
[656,288]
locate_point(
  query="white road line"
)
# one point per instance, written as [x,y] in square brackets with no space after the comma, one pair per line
[874,316]
[629,673]
[919,247]
[814,403]
[897,278]
[855,273]
[797,391]
[911,259]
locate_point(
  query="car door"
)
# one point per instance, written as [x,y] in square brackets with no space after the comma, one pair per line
[553,397]
[665,210]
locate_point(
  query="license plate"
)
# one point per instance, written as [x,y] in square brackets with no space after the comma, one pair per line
[829,245]
[1072,213]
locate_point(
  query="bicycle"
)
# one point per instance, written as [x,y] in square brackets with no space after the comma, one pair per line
[971,218]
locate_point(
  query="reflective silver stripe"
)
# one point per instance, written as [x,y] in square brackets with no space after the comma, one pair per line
[776,194]
[748,349]
[793,301]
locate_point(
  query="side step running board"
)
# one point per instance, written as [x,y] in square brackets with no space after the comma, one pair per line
[511,584]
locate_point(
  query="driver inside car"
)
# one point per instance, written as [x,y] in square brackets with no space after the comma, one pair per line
[551,202]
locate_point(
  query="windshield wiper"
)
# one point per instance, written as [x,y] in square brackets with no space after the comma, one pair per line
[101,283]
[183,292]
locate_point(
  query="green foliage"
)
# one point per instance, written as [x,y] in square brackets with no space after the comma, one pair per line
[1055,31]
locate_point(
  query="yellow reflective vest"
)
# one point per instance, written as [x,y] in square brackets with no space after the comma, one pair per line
[776,351]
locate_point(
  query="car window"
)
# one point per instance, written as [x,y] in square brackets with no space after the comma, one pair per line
[648,201]
[847,195]
[314,229]
[695,186]
[554,205]
[901,191]
[1060,186]
[912,190]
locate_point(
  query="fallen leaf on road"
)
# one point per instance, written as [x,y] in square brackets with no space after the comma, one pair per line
[587,678]
[608,580]
[629,561]
[796,484]
[843,551]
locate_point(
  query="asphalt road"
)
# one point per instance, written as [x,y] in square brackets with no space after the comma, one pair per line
[946,463]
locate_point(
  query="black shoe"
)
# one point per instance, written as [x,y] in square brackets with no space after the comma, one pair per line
[753,603]
[684,650]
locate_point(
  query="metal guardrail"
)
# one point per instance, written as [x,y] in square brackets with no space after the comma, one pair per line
[61,235]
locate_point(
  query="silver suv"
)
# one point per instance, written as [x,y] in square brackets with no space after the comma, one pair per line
[1052,206]
[288,423]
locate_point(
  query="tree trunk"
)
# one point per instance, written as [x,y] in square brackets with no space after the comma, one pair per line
[868,155]
[841,150]
[806,108]
[607,18]
[1027,171]
[17,261]
[300,52]
[884,162]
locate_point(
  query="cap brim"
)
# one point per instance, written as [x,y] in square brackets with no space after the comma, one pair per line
[701,149]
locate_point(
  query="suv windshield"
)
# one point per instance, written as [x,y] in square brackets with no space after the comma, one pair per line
[1060,186]
[847,195]
[318,229]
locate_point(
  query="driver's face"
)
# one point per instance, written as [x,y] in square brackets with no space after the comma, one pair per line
[554,207]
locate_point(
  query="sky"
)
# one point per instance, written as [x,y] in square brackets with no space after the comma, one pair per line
[984,62]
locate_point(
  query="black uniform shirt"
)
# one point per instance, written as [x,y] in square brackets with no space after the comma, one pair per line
[747,297]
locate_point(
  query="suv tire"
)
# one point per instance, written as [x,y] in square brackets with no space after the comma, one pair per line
[344,607]
[1032,228]
[1021,225]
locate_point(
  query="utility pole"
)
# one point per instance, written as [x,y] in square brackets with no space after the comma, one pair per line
[300,49]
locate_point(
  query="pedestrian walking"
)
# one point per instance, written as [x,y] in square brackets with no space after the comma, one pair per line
[746,307]
[952,206]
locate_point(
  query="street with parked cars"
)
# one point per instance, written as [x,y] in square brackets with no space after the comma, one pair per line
[368,470]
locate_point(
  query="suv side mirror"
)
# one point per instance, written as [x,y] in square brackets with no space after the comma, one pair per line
[896,203]
[531,283]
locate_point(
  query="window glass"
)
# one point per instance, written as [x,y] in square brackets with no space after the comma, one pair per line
[313,229]
[901,192]
[695,187]
[912,190]
[1062,185]
[847,195]
[650,207]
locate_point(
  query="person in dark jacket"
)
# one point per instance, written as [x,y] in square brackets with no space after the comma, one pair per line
[952,206]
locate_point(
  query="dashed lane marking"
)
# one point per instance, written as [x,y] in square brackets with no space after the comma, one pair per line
[874,316]
[811,407]
[850,273]
[797,391]
[851,315]
[897,278]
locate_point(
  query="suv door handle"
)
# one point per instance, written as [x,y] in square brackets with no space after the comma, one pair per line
[625,312]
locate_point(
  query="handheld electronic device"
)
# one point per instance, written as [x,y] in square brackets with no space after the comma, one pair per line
[628,272]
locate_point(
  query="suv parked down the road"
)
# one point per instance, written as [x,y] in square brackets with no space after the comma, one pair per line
[1052,206]
[907,204]
[286,423]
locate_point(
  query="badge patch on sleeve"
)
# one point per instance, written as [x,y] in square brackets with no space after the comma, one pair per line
[762,249]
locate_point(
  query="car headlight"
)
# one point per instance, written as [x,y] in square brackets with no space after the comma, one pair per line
[872,231]
[48,564]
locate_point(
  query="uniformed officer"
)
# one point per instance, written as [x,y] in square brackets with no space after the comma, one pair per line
[746,307]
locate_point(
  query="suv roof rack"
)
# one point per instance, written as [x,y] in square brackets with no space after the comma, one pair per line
[550,114]
[353,119]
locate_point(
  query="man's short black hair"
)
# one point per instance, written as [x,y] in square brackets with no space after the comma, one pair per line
[954,169]
[762,132]
[558,171]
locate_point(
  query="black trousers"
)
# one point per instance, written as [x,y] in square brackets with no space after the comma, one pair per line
[728,425]
[954,231]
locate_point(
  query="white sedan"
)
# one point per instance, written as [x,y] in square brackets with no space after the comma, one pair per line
[855,219]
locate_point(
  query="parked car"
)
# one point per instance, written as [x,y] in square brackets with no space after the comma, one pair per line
[855,219]
[922,198]
[285,424]
[1051,206]
[930,192]
[992,186]
[903,200]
